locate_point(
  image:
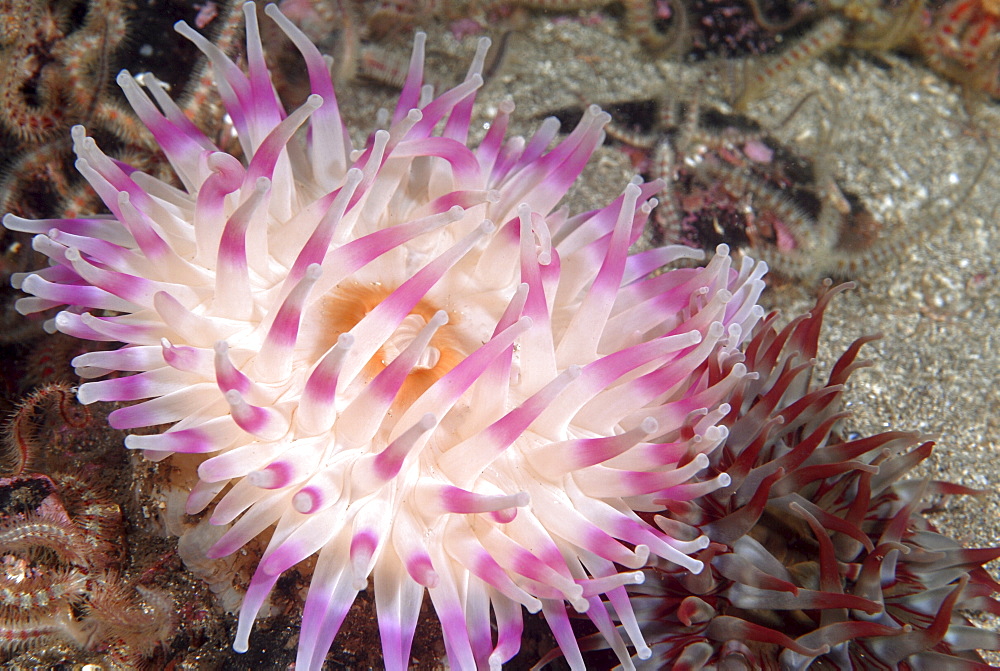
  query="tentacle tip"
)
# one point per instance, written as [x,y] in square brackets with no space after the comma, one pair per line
[305,502]
[658,184]
[641,555]
[650,426]
[218,551]
[86,394]
[61,318]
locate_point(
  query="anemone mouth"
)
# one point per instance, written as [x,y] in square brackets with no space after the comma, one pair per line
[348,304]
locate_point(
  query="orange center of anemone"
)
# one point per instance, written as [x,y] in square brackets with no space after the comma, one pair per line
[344,307]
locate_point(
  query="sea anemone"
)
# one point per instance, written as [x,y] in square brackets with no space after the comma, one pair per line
[821,557]
[403,359]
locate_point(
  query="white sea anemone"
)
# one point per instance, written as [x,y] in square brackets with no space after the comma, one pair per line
[402,359]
